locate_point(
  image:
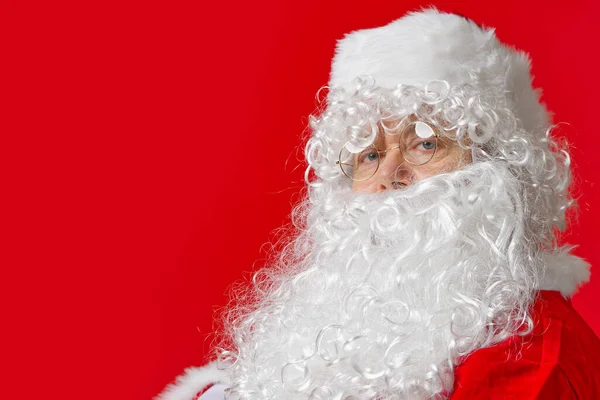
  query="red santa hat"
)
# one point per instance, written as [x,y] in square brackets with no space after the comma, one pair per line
[431,45]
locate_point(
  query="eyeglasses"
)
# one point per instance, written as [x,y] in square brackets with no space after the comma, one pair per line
[418,143]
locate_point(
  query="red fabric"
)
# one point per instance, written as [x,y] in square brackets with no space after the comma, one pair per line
[559,360]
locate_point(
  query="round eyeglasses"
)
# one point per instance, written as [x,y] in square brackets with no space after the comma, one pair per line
[417,142]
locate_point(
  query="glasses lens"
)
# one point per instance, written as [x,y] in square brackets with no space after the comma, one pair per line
[359,164]
[418,143]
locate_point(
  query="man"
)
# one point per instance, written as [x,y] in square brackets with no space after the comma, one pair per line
[425,263]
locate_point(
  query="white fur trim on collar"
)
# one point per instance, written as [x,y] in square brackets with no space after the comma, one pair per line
[192,381]
[564,272]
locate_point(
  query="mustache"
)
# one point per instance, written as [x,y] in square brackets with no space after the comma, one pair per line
[383,293]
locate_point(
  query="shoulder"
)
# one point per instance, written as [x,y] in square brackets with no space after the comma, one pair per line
[557,360]
[194,381]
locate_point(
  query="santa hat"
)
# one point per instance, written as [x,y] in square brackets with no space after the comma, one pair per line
[431,45]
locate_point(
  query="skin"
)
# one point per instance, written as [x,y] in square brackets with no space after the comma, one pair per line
[395,173]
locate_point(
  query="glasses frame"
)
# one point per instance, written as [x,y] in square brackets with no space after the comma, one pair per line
[436,135]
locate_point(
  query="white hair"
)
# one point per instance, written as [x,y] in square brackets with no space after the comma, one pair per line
[492,130]
[383,294]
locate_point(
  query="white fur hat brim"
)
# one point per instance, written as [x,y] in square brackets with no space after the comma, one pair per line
[430,45]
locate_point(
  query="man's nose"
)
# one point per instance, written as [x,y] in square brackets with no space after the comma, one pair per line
[393,172]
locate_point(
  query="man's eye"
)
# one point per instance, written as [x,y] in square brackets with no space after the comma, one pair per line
[428,145]
[373,156]
[370,156]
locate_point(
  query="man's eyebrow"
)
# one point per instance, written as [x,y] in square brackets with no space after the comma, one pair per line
[400,126]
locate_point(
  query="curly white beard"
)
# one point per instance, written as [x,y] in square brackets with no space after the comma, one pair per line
[388,291]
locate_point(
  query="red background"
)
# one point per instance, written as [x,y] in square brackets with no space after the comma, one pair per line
[150,148]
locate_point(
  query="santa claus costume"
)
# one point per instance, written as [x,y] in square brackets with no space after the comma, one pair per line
[453,287]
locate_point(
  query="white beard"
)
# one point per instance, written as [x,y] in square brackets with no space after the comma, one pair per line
[383,294]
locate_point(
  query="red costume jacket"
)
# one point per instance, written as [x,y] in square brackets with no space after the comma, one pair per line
[558,360]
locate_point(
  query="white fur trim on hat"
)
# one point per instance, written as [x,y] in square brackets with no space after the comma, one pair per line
[430,45]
